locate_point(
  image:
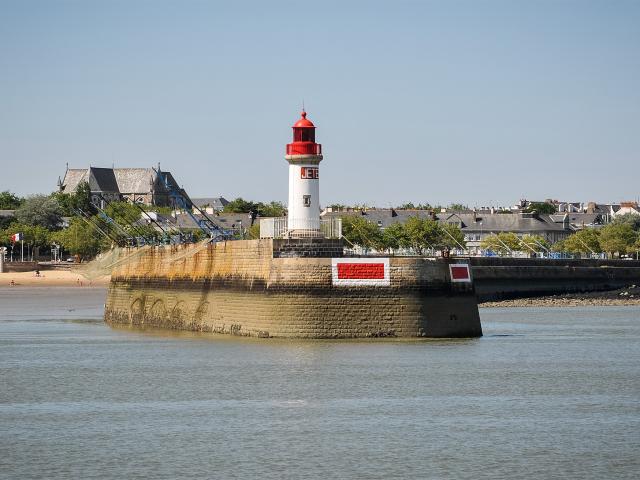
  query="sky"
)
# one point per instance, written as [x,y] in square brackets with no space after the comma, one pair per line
[474,102]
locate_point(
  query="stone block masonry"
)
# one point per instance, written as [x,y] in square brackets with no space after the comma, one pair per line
[286,288]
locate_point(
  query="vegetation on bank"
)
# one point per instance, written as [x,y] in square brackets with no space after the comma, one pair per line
[620,237]
[271,209]
[71,221]
[418,234]
[507,242]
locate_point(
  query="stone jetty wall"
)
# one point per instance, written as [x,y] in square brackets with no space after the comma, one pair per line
[506,278]
[287,288]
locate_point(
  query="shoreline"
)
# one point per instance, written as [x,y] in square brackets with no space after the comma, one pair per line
[629,296]
[51,278]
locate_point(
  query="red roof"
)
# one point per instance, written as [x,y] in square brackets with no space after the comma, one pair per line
[303,122]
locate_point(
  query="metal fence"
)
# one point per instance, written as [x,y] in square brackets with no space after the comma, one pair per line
[283,227]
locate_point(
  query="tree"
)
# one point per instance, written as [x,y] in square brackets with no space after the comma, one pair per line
[126,214]
[426,206]
[9,201]
[423,233]
[40,210]
[80,200]
[337,206]
[503,242]
[636,248]
[253,232]
[617,238]
[534,243]
[457,207]
[584,241]
[239,205]
[541,207]
[80,239]
[394,237]
[271,209]
[360,231]
[631,218]
[452,237]
[407,206]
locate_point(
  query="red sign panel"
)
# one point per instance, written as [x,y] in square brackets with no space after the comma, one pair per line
[361,271]
[459,272]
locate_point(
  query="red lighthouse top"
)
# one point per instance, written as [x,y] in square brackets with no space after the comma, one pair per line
[304,138]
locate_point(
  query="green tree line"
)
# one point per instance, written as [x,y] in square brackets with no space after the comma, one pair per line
[418,234]
[620,237]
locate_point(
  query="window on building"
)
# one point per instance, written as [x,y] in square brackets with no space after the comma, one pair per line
[306,200]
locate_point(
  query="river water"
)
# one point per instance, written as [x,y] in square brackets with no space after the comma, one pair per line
[546,393]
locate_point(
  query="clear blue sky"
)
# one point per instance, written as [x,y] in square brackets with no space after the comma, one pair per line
[480,102]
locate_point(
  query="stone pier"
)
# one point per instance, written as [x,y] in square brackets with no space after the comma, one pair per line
[290,288]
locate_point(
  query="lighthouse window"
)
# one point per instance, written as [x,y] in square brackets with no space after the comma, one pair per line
[306,200]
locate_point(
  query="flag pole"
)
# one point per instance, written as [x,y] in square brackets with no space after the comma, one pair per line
[22,251]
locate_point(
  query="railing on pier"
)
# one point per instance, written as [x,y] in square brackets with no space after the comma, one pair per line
[284,227]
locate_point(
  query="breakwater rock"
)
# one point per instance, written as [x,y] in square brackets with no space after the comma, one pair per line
[624,296]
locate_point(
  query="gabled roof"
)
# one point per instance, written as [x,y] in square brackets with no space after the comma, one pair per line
[135,180]
[102,179]
[73,177]
[510,222]
[215,202]
[578,218]
[122,180]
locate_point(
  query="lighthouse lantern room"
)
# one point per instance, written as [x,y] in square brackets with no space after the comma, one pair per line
[304,156]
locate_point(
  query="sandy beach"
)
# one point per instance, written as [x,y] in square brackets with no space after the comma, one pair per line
[50,278]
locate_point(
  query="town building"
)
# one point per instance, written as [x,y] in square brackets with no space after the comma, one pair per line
[627,208]
[210,205]
[148,186]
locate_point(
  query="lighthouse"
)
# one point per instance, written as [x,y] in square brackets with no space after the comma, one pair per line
[304,156]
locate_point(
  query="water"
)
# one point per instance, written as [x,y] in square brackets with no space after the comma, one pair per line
[547,393]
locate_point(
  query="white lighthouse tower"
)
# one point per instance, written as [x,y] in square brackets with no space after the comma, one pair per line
[304,156]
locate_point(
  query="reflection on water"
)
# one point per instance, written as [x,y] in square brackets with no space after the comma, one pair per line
[546,393]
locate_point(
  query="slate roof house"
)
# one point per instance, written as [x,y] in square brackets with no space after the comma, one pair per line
[210,205]
[148,186]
